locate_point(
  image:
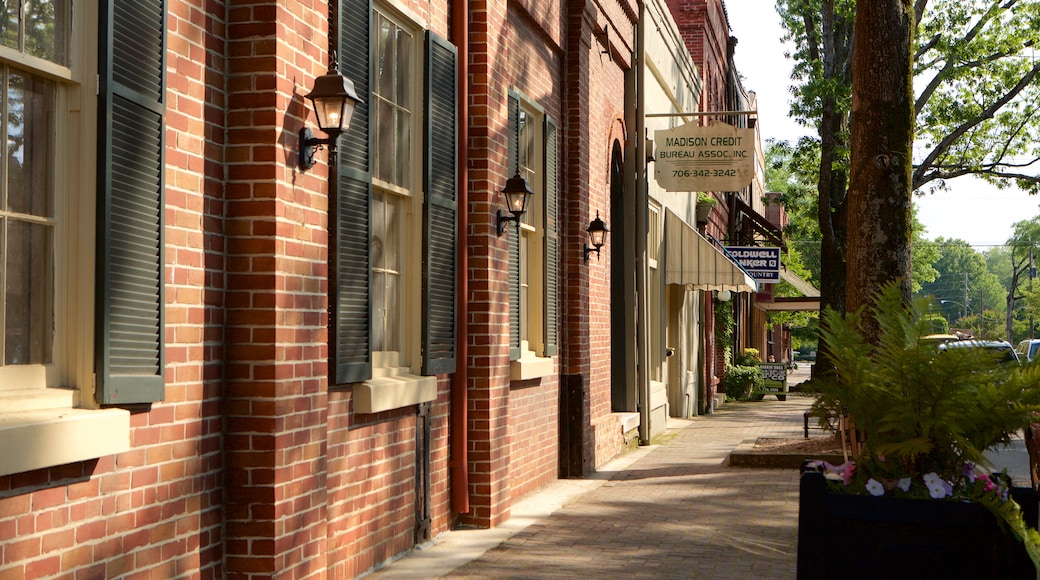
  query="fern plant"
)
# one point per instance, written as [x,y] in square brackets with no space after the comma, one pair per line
[925,416]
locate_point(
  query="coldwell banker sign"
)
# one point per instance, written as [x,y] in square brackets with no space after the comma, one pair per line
[762,263]
[718,157]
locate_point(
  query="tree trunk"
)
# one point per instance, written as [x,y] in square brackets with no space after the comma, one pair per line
[833,223]
[833,178]
[881,136]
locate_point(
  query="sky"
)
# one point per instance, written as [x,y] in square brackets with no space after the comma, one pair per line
[971,210]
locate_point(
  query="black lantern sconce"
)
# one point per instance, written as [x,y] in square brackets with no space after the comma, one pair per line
[333,99]
[517,195]
[597,231]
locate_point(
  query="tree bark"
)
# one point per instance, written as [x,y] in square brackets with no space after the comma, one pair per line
[881,137]
[833,178]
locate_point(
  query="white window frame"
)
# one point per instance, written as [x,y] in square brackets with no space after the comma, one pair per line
[55,402]
[532,362]
[396,381]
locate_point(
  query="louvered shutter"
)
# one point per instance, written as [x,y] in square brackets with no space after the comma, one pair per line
[513,133]
[552,241]
[440,207]
[351,330]
[129,328]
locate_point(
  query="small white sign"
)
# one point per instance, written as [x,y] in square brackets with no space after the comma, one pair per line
[718,157]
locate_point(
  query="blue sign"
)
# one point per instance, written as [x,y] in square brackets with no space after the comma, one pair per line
[763,263]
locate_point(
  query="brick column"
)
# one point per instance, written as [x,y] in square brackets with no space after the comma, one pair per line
[488,411]
[277,254]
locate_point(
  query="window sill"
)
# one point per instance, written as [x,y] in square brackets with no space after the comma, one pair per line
[529,366]
[49,437]
[392,389]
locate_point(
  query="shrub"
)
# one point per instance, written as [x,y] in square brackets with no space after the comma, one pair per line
[743,380]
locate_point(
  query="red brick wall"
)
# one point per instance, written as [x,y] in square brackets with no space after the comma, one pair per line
[253,467]
[594,124]
[154,511]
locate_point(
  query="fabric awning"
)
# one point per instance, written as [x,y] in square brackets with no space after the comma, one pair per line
[692,260]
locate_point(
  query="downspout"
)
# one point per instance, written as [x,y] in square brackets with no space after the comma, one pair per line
[642,354]
[460,380]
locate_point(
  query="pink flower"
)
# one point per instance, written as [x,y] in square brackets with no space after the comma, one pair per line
[988,484]
[968,471]
[845,470]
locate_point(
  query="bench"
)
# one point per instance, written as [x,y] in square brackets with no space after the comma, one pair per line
[831,418]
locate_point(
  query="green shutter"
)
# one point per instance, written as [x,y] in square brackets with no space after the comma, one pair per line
[129,329]
[351,332]
[513,132]
[440,229]
[552,241]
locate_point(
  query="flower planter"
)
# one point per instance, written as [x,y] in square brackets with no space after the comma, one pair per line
[702,211]
[857,536]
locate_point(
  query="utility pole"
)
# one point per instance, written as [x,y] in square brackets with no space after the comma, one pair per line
[964,307]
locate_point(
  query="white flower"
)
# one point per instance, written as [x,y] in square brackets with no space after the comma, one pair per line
[874,487]
[904,484]
[937,487]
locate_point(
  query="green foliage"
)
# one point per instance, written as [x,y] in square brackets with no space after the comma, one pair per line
[743,381]
[923,255]
[792,172]
[959,263]
[706,199]
[976,106]
[724,323]
[972,68]
[923,409]
[935,324]
[923,412]
[750,357]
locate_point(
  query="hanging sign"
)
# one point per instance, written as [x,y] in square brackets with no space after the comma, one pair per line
[718,157]
[762,262]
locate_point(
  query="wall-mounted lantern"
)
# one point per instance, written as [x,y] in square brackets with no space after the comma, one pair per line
[517,195]
[597,231]
[333,100]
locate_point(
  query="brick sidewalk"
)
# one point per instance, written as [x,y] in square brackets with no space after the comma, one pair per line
[670,510]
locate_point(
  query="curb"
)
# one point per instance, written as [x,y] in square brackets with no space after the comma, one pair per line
[745,456]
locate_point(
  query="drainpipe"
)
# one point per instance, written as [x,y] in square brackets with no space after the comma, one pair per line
[642,353]
[460,380]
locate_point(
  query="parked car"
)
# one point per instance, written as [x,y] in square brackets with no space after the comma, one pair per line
[1004,353]
[1001,349]
[1028,349]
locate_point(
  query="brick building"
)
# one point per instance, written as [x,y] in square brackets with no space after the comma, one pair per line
[222,363]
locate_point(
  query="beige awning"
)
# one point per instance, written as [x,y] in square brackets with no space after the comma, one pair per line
[692,260]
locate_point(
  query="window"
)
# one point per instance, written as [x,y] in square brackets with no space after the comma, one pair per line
[394,193]
[533,252]
[34,40]
[27,219]
[654,290]
[532,230]
[34,75]
[58,167]
[395,220]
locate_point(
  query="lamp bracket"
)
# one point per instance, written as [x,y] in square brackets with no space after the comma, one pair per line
[309,144]
[504,219]
[589,250]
